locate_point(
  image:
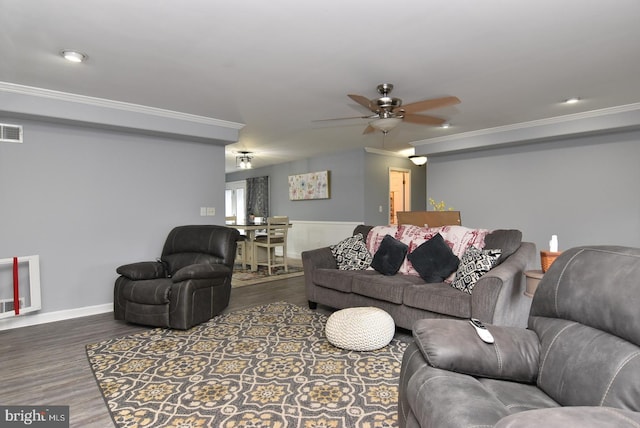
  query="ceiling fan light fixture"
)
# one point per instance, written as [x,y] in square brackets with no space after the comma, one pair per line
[73,56]
[418,159]
[385,124]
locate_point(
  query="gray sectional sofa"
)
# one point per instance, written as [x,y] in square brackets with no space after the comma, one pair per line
[497,298]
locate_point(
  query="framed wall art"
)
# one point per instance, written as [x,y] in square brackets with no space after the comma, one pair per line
[313,185]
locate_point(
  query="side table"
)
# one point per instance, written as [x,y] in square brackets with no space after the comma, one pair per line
[533,278]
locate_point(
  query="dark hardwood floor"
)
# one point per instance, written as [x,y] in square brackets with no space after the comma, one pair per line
[47,364]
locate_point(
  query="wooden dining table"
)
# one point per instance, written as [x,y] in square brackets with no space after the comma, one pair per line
[250,230]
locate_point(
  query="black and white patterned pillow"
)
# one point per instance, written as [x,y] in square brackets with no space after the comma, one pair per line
[473,264]
[352,253]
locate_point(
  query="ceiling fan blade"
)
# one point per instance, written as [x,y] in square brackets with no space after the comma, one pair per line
[363,101]
[343,118]
[429,104]
[369,129]
[423,120]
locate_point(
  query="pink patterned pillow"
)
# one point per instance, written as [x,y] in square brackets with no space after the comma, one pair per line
[458,238]
[412,236]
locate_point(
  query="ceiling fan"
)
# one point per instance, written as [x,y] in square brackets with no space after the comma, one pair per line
[388,111]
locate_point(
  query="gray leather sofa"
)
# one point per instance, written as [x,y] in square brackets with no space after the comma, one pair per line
[498,297]
[576,365]
[188,285]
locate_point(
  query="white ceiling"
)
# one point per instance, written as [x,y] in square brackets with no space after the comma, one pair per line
[278,65]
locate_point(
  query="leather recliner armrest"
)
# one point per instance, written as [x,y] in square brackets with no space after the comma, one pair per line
[201,271]
[142,270]
[454,345]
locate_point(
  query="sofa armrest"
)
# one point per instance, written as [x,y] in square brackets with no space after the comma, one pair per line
[581,416]
[201,271]
[455,346]
[498,296]
[320,258]
[142,270]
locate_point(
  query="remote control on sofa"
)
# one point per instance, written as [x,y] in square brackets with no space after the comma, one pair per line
[482,331]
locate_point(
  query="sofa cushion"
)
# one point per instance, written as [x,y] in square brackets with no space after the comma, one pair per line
[508,240]
[473,265]
[351,253]
[338,279]
[517,396]
[390,256]
[574,416]
[439,298]
[434,260]
[383,287]
[445,399]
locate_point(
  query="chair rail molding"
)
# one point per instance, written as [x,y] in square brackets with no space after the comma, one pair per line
[309,235]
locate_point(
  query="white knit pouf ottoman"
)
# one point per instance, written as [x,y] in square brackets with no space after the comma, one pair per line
[360,329]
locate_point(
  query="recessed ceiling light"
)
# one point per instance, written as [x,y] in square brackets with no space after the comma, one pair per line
[571,100]
[445,125]
[73,56]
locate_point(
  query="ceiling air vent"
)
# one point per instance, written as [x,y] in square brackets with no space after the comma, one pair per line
[10,133]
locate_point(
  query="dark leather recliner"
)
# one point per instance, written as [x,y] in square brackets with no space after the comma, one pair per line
[576,365]
[188,285]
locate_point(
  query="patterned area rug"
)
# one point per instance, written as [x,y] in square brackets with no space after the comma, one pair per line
[268,366]
[242,277]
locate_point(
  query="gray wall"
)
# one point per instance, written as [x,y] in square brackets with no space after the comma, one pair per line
[359,184]
[345,180]
[88,200]
[585,190]
[376,181]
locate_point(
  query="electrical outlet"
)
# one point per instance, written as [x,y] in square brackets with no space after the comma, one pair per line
[211,211]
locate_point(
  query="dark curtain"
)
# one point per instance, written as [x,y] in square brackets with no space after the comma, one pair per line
[258,196]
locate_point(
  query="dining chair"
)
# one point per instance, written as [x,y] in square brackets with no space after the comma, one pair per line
[242,244]
[277,227]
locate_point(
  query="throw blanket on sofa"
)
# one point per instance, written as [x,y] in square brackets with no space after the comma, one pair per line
[459,238]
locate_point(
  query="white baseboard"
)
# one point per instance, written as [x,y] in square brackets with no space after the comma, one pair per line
[35,318]
[305,235]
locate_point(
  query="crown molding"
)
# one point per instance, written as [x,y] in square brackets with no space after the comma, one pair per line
[116,105]
[589,122]
[383,152]
[29,102]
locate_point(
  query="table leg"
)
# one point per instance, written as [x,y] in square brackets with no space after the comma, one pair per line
[251,235]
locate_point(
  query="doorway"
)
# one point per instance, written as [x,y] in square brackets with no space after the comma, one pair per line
[399,192]
[234,196]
